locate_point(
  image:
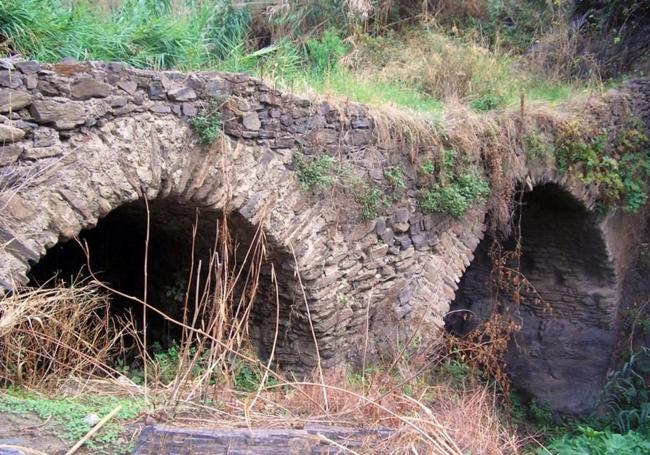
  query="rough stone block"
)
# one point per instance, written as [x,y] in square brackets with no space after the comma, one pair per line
[14,100]
[64,115]
[181,94]
[10,134]
[88,87]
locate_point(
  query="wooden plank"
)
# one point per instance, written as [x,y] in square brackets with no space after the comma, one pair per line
[169,440]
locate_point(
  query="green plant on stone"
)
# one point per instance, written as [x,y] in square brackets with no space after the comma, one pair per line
[620,167]
[428,167]
[455,196]
[395,177]
[207,124]
[538,149]
[317,173]
[372,200]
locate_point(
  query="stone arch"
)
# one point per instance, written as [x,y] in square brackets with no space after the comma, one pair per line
[82,141]
[93,137]
[562,352]
[108,173]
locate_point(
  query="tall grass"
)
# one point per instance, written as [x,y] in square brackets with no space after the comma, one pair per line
[140,33]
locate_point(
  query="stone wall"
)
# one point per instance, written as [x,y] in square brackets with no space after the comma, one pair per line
[80,140]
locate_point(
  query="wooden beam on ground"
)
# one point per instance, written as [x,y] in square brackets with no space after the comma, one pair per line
[168,440]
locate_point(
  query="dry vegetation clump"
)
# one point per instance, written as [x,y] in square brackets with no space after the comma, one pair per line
[55,333]
[559,55]
[431,62]
[475,422]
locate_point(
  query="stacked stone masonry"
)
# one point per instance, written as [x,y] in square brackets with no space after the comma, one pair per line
[81,140]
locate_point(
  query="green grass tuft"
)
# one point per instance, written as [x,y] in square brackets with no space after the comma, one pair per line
[207,124]
[68,414]
[316,174]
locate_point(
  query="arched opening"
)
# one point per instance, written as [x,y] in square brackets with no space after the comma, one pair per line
[183,253]
[568,291]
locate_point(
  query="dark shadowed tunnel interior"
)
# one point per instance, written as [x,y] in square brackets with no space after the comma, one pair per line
[561,353]
[117,251]
[117,258]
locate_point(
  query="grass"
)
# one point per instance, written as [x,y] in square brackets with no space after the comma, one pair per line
[418,68]
[67,414]
[376,93]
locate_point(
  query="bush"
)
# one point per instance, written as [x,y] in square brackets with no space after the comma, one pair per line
[317,174]
[207,124]
[457,196]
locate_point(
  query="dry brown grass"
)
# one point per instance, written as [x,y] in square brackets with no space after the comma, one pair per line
[475,423]
[427,60]
[55,333]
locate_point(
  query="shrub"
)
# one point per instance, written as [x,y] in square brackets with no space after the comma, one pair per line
[456,196]
[316,174]
[207,124]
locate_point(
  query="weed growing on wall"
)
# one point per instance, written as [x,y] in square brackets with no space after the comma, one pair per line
[540,150]
[618,162]
[457,196]
[396,179]
[315,174]
[207,124]
[372,201]
[452,190]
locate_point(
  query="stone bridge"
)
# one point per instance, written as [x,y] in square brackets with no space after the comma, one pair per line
[84,144]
